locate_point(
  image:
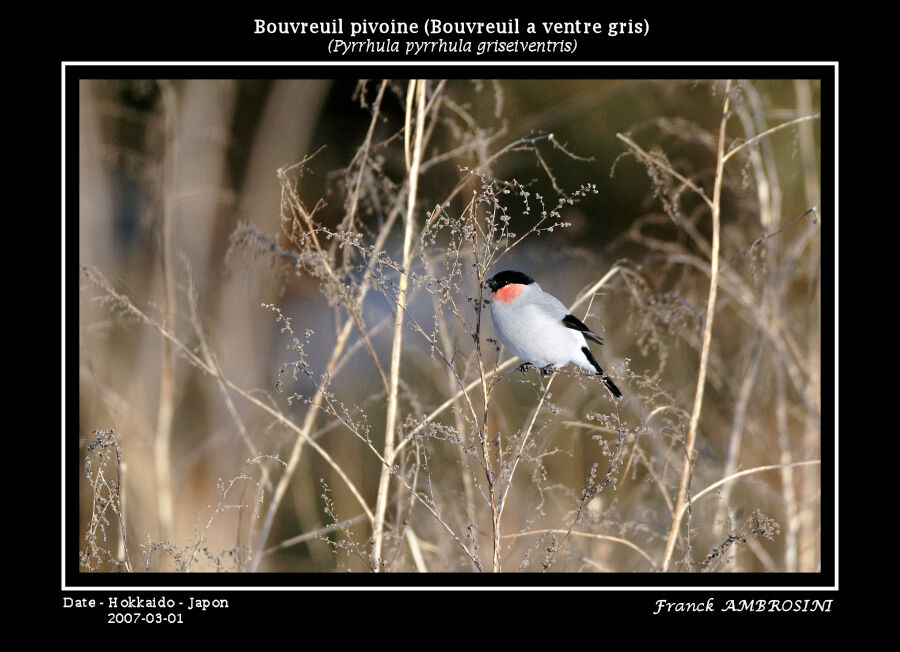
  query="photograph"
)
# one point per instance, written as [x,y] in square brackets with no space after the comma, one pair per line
[534,325]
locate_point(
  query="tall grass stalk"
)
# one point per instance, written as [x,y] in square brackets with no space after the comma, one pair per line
[415,97]
[715,207]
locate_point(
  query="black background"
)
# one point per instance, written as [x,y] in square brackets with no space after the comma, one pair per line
[709,36]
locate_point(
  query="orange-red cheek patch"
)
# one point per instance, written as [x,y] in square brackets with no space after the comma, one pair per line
[508,292]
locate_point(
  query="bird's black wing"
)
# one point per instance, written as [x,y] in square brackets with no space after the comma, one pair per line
[571,321]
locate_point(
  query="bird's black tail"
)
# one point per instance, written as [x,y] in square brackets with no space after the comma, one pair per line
[610,385]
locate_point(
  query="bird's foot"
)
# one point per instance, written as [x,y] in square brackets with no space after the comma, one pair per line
[547,370]
[524,367]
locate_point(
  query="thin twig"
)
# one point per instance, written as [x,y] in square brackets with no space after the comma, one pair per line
[662,165]
[587,535]
[315,534]
[734,476]
[751,141]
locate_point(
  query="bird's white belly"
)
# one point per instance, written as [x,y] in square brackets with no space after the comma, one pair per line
[537,339]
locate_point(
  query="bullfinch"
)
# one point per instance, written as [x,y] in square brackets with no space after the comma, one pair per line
[537,328]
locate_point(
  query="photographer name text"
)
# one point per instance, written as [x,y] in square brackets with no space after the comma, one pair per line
[770,606]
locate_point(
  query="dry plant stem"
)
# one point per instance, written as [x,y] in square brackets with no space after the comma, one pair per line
[494,496]
[417,89]
[752,114]
[765,133]
[809,478]
[302,438]
[459,421]
[687,465]
[731,283]
[353,201]
[515,463]
[213,362]
[400,479]
[122,555]
[121,466]
[415,550]
[734,476]
[593,489]
[303,435]
[588,535]
[265,482]
[637,451]
[772,327]
[214,511]
[792,526]
[300,538]
[761,554]
[740,414]
[486,164]
[309,230]
[807,143]
[166,408]
[654,161]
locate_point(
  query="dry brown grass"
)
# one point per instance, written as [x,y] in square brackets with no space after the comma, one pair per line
[323,392]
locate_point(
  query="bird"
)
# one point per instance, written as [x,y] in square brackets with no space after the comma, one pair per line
[537,328]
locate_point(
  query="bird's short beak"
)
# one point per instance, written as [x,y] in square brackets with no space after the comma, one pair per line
[489,284]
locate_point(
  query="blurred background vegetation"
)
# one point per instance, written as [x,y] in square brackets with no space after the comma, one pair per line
[174,175]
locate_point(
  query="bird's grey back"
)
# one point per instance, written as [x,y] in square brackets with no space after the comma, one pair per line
[547,302]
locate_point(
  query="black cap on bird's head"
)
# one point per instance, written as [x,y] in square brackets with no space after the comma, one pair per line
[502,279]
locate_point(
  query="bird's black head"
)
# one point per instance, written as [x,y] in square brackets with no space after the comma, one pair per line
[502,279]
